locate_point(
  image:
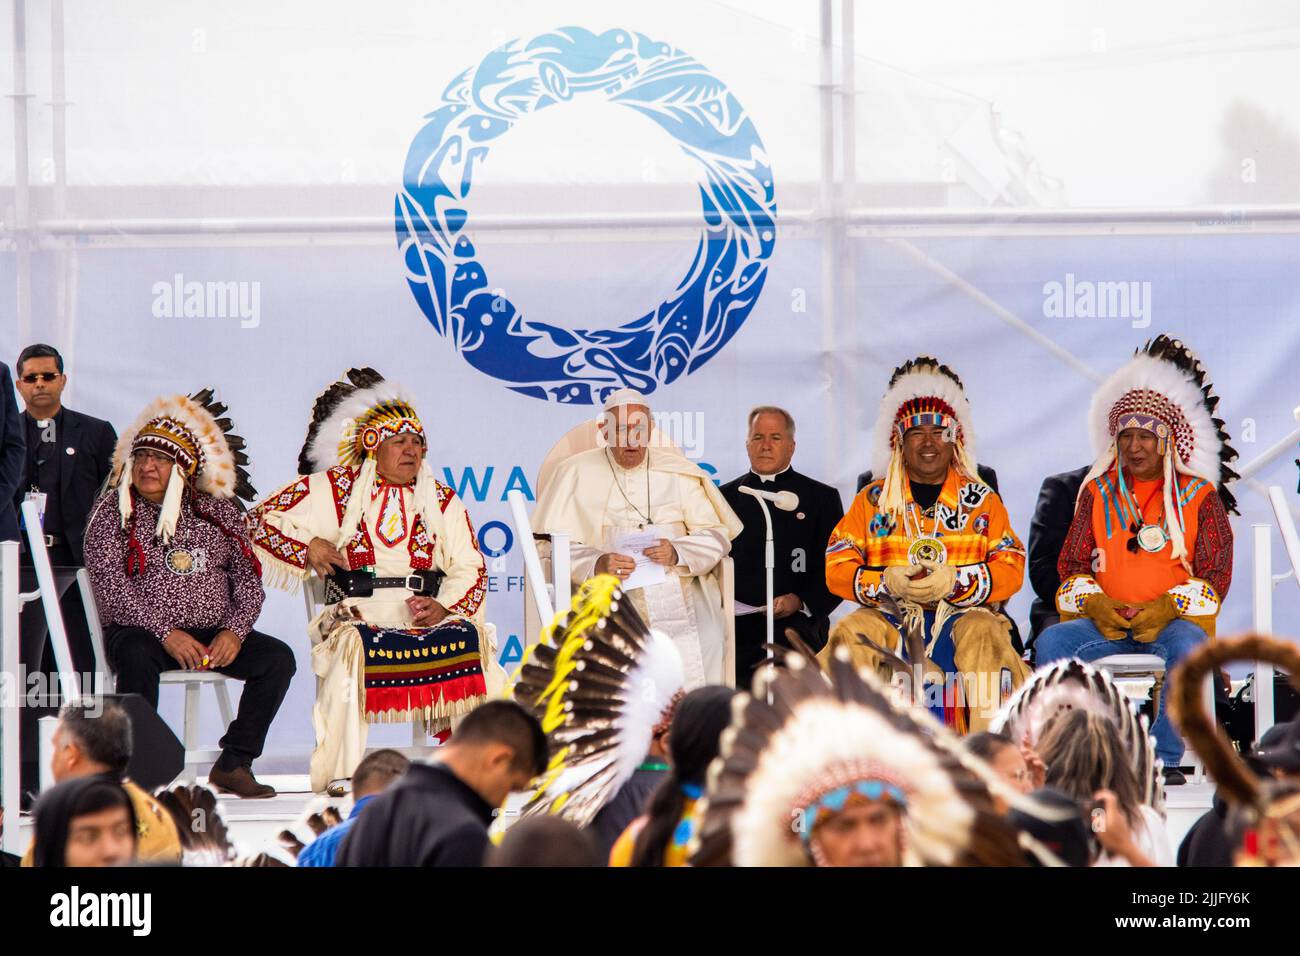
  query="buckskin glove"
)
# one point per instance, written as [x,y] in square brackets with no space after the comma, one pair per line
[936,585]
[898,583]
[1101,611]
[1152,618]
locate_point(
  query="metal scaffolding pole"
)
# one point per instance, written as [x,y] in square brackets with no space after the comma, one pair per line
[65,319]
[22,186]
[847,311]
[829,225]
[912,223]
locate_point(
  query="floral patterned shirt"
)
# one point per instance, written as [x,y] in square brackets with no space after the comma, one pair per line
[202,578]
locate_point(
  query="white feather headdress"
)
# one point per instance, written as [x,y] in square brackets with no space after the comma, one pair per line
[921,391]
[1165,389]
[193,431]
[350,420]
[818,731]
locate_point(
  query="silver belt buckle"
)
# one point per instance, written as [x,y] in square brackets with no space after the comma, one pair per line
[49,540]
[418,584]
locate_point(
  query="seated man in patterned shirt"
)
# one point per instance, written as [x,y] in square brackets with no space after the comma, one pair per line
[1148,558]
[399,640]
[175,578]
[928,549]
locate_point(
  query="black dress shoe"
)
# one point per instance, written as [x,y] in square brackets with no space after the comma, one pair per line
[1174,777]
[240,782]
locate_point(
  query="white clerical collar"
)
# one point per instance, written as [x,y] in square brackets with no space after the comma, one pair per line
[772,477]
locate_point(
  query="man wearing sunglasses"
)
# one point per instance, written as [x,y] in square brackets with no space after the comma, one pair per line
[67,460]
[69,455]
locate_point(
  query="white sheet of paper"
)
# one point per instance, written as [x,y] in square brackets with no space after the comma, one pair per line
[646,572]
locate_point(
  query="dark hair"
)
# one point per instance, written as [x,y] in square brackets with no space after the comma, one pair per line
[61,804]
[38,351]
[1070,840]
[545,841]
[1084,753]
[988,744]
[693,743]
[105,739]
[377,770]
[505,722]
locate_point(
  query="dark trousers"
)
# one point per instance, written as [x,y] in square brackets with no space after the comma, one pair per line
[751,635]
[264,664]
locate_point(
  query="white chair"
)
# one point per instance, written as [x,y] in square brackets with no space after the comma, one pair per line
[192,681]
[1136,669]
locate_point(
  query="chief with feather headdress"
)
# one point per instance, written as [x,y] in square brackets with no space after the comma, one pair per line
[404,581]
[928,548]
[825,769]
[176,581]
[1147,561]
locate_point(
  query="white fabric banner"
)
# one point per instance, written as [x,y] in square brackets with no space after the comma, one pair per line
[513,226]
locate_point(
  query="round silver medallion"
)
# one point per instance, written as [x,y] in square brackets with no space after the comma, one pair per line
[1152,538]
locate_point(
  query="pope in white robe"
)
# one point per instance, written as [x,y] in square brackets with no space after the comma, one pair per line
[635,495]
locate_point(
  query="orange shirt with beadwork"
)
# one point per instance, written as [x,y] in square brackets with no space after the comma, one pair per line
[969,518]
[1097,556]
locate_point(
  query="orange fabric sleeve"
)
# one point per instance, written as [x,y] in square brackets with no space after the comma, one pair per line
[847,574]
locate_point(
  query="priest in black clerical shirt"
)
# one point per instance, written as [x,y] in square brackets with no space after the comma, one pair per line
[69,455]
[802,601]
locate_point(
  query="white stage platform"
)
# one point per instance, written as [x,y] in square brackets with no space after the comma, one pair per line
[256,824]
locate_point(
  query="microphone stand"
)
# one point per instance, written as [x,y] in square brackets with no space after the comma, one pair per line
[769,564]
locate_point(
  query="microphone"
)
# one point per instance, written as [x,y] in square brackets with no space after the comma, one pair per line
[785,500]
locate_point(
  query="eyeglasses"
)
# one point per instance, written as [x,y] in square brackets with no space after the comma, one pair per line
[31,378]
[144,456]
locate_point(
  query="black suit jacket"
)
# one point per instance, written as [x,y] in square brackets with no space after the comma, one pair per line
[13,454]
[85,458]
[1052,518]
[799,539]
[987,475]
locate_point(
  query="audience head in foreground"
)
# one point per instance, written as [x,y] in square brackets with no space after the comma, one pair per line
[438,814]
[85,821]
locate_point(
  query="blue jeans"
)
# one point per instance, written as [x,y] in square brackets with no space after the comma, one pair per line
[1081,639]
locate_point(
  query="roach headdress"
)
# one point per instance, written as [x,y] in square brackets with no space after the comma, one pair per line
[1074,685]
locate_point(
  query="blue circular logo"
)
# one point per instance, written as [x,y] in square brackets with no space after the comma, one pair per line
[704,310]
